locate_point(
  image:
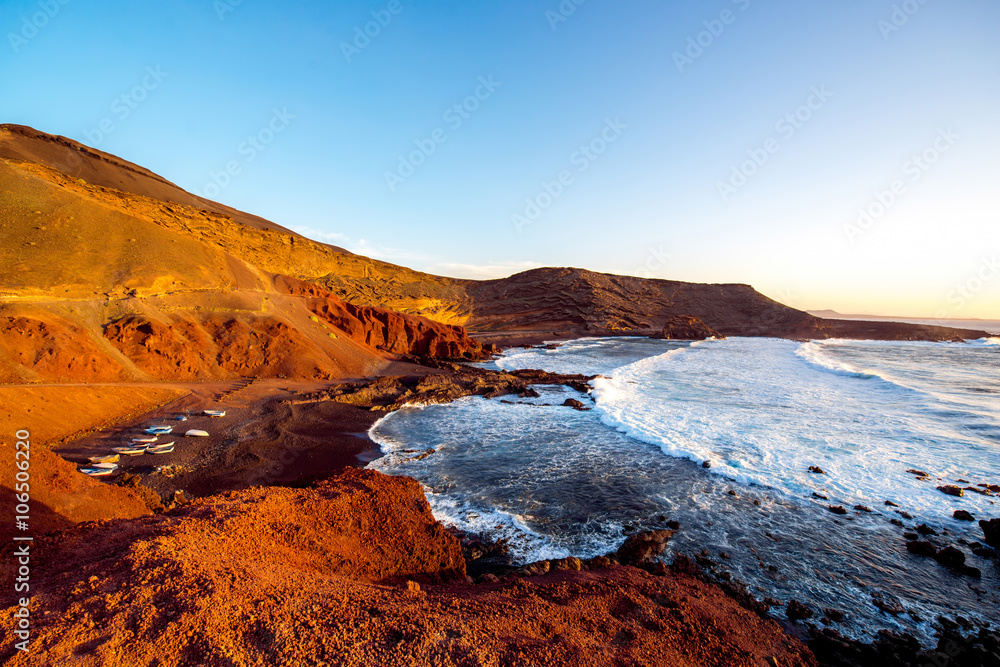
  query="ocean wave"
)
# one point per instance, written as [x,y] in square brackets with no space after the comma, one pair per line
[812,354]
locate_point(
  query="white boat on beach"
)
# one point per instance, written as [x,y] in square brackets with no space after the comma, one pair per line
[195,433]
[106,458]
[130,451]
[165,448]
[145,440]
[159,430]
[214,413]
[97,472]
[105,466]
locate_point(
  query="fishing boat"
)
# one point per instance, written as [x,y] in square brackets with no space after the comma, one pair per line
[145,440]
[195,433]
[159,430]
[97,472]
[104,466]
[165,448]
[181,418]
[107,458]
[214,413]
[130,451]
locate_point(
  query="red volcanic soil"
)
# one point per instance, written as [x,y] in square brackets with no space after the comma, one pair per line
[53,348]
[354,571]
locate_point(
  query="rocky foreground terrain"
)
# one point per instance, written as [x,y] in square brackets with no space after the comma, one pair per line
[356,571]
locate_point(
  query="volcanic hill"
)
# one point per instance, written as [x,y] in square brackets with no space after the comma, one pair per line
[111,272]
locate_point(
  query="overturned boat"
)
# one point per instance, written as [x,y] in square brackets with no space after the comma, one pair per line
[130,450]
[97,472]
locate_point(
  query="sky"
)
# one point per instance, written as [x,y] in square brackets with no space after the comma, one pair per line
[833,154]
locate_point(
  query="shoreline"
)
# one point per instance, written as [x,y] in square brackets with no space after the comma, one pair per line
[282,416]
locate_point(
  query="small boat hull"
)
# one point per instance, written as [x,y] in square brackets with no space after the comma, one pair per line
[97,472]
[145,441]
[195,433]
[109,458]
[159,430]
[214,413]
[161,449]
[129,451]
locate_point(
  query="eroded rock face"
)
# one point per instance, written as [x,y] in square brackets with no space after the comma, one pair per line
[217,346]
[53,350]
[162,351]
[387,330]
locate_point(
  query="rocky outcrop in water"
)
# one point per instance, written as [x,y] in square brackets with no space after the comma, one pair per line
[991,532]
[642,548]
[457,381]
[683,327]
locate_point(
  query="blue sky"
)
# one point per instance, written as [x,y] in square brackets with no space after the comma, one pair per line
[722,141]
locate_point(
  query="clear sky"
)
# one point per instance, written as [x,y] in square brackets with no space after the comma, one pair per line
[715,141]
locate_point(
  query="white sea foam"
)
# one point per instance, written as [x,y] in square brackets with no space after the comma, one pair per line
[764,411]
[555,481]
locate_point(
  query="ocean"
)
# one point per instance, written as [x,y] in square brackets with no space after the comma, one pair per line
[555,481]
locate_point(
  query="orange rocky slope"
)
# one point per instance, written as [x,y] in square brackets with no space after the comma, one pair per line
[105,285]
[354,571]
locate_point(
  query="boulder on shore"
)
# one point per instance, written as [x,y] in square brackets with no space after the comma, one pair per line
[991,530]
[644,547]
